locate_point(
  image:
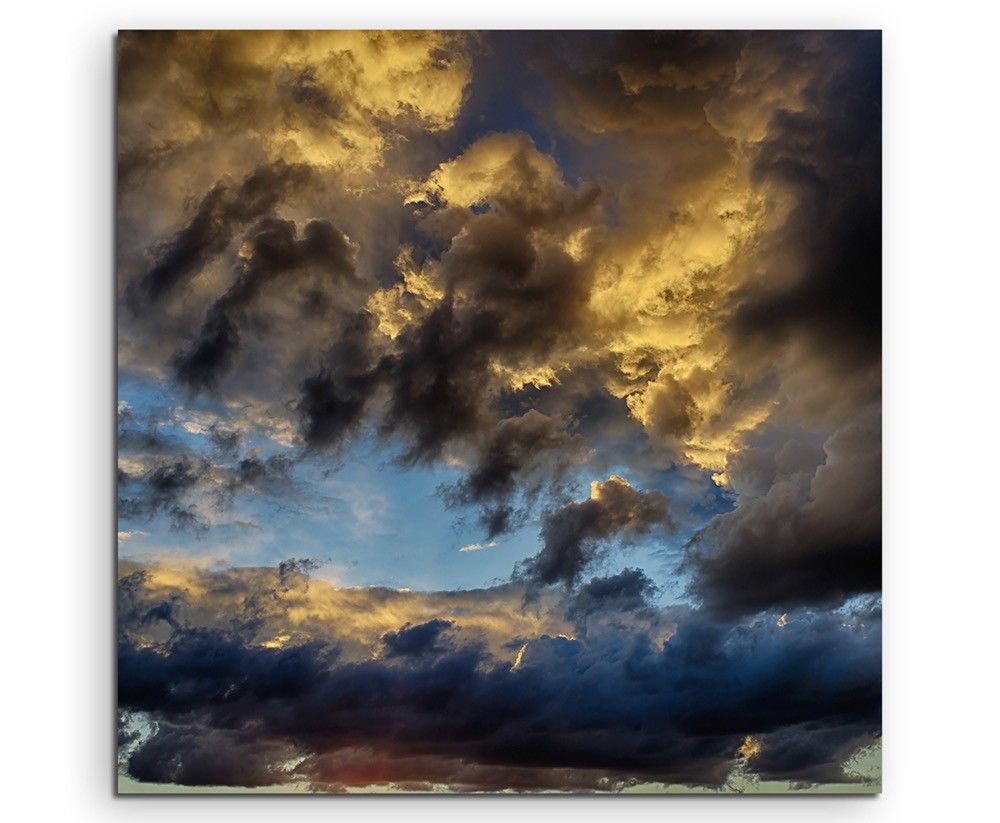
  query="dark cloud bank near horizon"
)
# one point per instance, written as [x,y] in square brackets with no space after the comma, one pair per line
[605,711]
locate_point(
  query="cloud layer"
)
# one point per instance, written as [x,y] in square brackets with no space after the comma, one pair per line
[428,703]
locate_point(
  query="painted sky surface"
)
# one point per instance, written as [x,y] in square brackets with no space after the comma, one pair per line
[499,411]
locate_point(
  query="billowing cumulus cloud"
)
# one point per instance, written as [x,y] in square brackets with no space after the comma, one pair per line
[606,304]
[814,537]
[326,98]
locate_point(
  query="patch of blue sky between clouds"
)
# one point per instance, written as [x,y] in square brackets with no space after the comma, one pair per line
[371,522]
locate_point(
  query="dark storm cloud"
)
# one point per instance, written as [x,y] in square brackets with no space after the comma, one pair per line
[577,533]
[813,538]
[269,476]
[755,470]
[216,757]
[273,254]
[828,157]
[620,709]
[609,436]
[618,605]
[682,59]
[769,657]
[499,518]
[438,379]
[332,402]
[640,81]
[515,446]
[410,641]
[628,591]
[265,601]
[210,354]
[218,215]
[807,754]
[807,109]
[144,435]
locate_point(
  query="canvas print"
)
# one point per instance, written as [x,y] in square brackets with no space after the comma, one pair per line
[499,412]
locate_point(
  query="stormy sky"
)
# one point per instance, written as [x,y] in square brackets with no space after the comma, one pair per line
[499,411]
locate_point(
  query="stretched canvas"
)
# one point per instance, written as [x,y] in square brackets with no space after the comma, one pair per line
[499,411]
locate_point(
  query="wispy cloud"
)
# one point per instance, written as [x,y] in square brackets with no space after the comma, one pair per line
[475,547]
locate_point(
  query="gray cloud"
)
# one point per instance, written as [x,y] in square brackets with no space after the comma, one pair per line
[812,538]
[272,255]
[603,713]
[576,534]
[218,215]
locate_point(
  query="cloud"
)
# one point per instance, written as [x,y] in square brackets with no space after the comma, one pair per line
[219,130]
[266,603]
[216,757]
[506,172]
[593,714]
[160,475]
[821,293]
[729,201]
[605,609]
[630,590]
[271,254]
[333,401]
[508,304]
[641,82]
[163,489]
[330,99]
[527,455]
[815,537]
[221,212]
[410,641]
[745,205]
[475,547]
[576,534]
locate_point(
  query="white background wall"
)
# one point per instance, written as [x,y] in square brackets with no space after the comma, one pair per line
[56,429]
